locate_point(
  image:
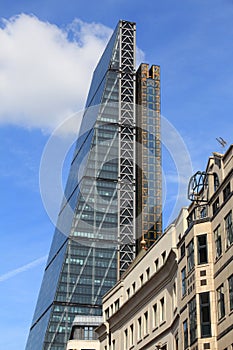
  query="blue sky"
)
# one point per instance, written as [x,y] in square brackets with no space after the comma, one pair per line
[48,50]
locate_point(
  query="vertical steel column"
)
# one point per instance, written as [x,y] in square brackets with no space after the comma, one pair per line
[127,139]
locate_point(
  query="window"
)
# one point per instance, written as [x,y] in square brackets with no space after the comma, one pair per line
[228,229]
[146,323]
[226,191]
[174,296]
[215,206]
[114,345]
[216,182]
[182,251]
[192,321]
[205,315]
[183,279]
[156,264]
[141,279]
[221,302]
[218,242]
[203,212]
[131,335]
[148,273]
[155,316]
[202,249]
[139,328]
[230,284]
[176,342]
[185,334]
[164,256]
[117,305]
[87,333]
[128,293]
[107,313]
[190,218]
[134,287]
[190,255]
[162,310]
[126,339]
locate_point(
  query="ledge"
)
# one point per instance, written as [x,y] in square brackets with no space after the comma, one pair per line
[155,329]
[221,320]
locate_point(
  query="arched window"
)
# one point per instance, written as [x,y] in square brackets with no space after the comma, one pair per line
[216,182]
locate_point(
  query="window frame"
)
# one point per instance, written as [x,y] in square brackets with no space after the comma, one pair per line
[202,248]
[218,242]
[228,229]
[182,250]
[162,310]
[139,323]
[216,181]
[185,334]
[126,339]
[183,282]
[230,290]
[205,311]
[146,323]
[192,305]
[174,295]
[215,206]
[221,302]
[155,315]
[141,280]
[148,273]
[164,255]
[226,191]
[156,262]
[190,256]
[131,334]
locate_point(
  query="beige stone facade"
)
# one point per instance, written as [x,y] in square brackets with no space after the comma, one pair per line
[141,311]
[83,345]
[179,293]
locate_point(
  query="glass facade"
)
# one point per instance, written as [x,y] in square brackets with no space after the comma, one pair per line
[95,238]
[86,251]
[149,192]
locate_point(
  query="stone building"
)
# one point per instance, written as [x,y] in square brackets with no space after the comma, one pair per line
[179,293]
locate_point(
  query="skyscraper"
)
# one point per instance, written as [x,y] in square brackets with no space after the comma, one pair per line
[95,238]
[148,155]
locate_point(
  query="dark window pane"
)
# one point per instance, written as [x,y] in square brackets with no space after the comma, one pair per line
[202,249]
[230,282]
[192,320]
[190,255]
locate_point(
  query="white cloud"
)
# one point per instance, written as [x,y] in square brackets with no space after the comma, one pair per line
[45,71]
